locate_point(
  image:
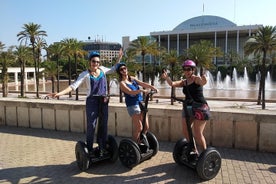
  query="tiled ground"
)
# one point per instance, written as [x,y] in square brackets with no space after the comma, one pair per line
[43,156]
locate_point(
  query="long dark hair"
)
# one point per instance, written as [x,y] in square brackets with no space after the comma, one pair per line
[121,77]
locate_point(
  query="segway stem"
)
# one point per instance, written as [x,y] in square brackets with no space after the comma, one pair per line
[144,109]
[188,121]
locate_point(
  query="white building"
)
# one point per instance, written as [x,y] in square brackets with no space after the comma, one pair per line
[220,31]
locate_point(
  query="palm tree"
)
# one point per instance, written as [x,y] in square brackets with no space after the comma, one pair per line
[22,53]
[68,45]
[40,44]
[31,32]
[171,59]
[203,54]
[141,46]
[263,41]
[77,51]
[2,46]
[51,71]
[55,51]
[6,57]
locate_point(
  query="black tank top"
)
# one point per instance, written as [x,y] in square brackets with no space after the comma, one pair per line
[195,93]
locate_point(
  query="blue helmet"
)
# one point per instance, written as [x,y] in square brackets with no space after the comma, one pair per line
[93,54]
[119,65]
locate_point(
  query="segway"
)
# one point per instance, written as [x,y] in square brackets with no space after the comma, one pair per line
[131,153]
[84,158]
[207,164]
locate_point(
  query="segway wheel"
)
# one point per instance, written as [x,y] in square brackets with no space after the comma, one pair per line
[82,156]
[129,154]
[153,143]
[180,151]
[209,164]
[112,148]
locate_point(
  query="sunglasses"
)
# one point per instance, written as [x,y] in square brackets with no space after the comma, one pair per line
[123,68]
[187,69]
[94,61]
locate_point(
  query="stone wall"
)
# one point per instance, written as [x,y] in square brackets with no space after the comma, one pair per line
[228,127]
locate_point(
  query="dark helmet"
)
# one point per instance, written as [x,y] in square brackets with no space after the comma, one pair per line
[119,65]
[189,63]
[93,54]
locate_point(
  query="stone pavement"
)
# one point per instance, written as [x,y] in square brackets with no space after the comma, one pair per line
[45,156]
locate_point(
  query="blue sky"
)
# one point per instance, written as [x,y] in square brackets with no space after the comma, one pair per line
[110,20]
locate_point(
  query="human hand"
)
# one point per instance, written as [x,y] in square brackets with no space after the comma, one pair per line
[52,95]
[164,74]
[155,89]
[121,53]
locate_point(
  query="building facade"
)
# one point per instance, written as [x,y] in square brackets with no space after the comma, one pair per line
[223,33]
[107,50]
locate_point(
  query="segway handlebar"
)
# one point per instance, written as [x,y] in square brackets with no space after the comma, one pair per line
[105,95]
[179,99]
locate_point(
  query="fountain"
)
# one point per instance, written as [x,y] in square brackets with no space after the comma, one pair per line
[236,83]
[238,87]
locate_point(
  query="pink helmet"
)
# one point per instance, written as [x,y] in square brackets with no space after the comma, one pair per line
[189,63]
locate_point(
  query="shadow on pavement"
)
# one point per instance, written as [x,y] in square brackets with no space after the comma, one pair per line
[105,174]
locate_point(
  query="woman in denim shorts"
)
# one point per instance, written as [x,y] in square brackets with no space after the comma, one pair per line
[129,85]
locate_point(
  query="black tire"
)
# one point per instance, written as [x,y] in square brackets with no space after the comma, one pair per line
[209,164]
[82,156]
[153,143]
[129,153]
[112,148]
[181,151]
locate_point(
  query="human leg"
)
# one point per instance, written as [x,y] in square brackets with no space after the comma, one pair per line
[185,129]
[146,123]
[184,123]
[199,126]
[91,116]
[102,128]
[137,127]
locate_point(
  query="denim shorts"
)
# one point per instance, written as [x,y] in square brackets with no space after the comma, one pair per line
[134,109]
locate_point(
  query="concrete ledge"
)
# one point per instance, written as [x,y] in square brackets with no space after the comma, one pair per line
[229,127]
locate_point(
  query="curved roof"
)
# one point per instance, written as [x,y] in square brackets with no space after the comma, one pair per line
[204,22]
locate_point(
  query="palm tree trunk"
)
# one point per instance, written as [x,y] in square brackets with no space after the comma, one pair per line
[172,94]
[76,76]
[173,88]
[53,84]
[144,73]
[263,80]
[70,74]
[57,76]
[22,91]
[36,73]
[153,76]
[259,93]
[5,79]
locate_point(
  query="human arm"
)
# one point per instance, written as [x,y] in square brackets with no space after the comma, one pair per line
[144,84]
[129,91]
[63,92]
[113,68]
[73,86]
[201,80]
[170,82]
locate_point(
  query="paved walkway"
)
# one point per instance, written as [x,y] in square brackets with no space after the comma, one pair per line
[44,156]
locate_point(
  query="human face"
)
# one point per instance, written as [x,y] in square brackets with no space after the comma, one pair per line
[187,69]
[95,62]
[123,70]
